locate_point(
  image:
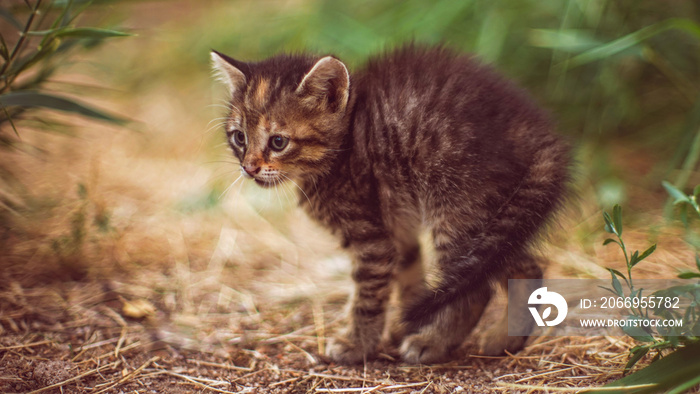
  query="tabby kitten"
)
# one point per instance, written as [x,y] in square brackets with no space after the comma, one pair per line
[420,138]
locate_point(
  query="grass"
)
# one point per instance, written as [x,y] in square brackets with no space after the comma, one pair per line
[237,288]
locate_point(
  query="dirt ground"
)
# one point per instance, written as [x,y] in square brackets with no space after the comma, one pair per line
[75,337]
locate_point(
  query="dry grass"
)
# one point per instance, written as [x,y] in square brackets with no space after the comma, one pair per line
[79,336]
[184,289]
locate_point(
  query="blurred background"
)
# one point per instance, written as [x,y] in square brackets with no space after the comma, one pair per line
[113,168]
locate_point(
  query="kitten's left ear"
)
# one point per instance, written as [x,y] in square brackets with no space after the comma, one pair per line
[227,71]
[326,86]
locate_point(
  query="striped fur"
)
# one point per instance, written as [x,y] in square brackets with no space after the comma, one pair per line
[419,139]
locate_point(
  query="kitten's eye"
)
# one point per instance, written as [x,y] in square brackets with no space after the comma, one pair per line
[278,142]
[239,137]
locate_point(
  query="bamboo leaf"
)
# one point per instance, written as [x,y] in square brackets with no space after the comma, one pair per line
[616,46]
[9,119]
[80,32]
[7,15]
[679,370]
[37,99]
[4,52]
[570,40]
[675,193]
[685,386]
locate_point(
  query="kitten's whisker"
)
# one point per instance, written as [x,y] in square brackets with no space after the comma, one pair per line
[227,107]
[299,187]
[222,121]
[222,161]
[224,118]
[214,127]
[277,192]
[230,186]
[284,190]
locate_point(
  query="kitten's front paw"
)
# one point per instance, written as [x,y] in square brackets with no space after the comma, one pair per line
[424,348]
[345,351]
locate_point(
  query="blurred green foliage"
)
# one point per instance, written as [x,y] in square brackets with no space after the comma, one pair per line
[624,71]
[36,39]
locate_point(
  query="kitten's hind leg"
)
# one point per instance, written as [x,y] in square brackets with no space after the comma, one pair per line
[496,340]
[442,331]
[445,333]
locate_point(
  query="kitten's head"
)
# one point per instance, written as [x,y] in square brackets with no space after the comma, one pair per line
[286,118]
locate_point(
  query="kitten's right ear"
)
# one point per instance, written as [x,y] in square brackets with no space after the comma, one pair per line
[226,72]
[326,85]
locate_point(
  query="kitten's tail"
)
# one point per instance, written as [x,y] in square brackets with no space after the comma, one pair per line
[507,233]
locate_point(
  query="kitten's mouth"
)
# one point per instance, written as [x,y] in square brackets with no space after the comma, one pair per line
[264,183]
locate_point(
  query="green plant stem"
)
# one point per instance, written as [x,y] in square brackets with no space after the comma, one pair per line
[689,163]
[20,42]
[627,261]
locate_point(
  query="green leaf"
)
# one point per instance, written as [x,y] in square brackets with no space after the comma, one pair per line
[616,283]
[696,192]
[637,354]
[610,240]
[644,255]
[697,261]
[684,215]
[609,226]
[608,289]
[634,259]
[637,332]
[685,386]
[28,98]
[33,58]
[617,219]
[616,46]
[689,275]
[80,32]
[675,193]
[9,119]
[674,291]
[562,39]
[679,370]
[4,52]
[620,274]
[63,3]
[7,15]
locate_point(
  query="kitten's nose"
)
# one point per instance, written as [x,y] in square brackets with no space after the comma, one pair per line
[251,170]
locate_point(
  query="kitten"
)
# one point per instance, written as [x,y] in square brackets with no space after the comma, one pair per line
[418,139]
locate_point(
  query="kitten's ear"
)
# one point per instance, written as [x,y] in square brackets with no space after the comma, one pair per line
[326,86]
[226,72]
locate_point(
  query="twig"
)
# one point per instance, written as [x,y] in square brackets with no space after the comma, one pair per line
[202,385]
[130,375]
[82,375]
[25,345]
[217,365]
[370,389]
